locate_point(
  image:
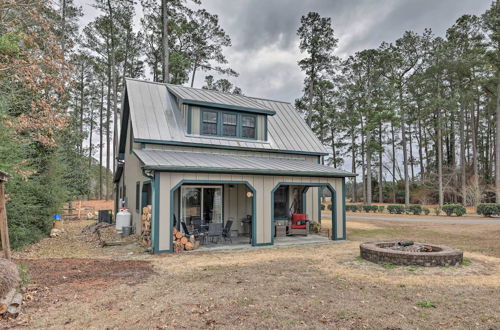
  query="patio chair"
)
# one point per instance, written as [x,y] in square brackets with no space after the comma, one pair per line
[197,235]
[198,225]
[299,225]
[214,231]
[226,232]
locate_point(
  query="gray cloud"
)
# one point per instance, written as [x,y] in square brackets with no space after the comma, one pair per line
[265,46]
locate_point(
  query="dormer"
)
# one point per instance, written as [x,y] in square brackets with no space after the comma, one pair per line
[221,115]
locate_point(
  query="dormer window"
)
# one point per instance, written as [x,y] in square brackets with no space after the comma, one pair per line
[217,122]
[209,123]
[229,124]
[248,126]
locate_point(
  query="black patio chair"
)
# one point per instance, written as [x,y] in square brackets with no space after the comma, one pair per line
[197,235]
[197,225]
[214,231]
[226,232]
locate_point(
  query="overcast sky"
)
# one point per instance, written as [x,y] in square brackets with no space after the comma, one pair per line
[265,46]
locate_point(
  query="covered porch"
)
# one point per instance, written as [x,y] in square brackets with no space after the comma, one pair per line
[250,199]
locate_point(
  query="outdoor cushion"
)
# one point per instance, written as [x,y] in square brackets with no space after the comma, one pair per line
[298,217]
[299,226]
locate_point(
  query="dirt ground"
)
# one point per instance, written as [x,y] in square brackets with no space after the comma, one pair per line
[322,286]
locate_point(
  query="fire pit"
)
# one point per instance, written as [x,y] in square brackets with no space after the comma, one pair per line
[411,253]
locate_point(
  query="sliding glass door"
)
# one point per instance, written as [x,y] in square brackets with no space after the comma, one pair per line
[201,202]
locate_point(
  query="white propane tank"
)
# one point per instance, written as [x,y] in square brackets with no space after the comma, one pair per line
[123,219]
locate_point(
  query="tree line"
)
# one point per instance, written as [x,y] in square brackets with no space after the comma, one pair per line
[419,117]
[61,87]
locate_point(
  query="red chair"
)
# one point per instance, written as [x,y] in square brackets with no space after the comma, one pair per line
[299,225]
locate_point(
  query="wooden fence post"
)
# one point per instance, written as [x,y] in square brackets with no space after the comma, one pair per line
[4,229]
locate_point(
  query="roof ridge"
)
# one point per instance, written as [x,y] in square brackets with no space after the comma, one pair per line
[208,90]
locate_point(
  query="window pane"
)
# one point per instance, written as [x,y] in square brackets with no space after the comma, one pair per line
[248,132]
[209,128]
[191,204]
[229,119]
[248,121]
[281,202]
[209,117]
[229,124]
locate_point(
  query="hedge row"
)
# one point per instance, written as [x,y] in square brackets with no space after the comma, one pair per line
[488,209]
[365,208]
[413,209]
[457,209]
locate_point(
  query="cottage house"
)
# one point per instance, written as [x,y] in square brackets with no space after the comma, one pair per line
[212,157]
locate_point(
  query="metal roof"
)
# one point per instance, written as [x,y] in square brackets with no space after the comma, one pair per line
[180,161]
[156,118]
[205,97]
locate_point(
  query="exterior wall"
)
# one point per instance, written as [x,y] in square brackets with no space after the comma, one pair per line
[236,205]
[263,185]
[310,158]
[132,173]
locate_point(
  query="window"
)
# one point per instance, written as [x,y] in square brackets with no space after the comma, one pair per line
[137,196]
[209,123]
[201,204]
[248,127]
[229,124]
[281,203]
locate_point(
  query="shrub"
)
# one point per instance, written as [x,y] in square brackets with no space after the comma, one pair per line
[329,207]
[426,211]
[396,209]
[322,207]
[437,211]
[457,209]
[415,209]
[368,208]
[488,209]
[381,209]
[352,207]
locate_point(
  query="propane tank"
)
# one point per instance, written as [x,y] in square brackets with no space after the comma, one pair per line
[123,219]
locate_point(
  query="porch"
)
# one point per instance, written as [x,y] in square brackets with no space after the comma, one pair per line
[241,243]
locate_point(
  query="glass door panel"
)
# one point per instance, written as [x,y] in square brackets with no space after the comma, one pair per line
[191,203]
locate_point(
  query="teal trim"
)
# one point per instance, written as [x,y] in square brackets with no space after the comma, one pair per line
[138,194]
[343,209]
[265,129]
[189,120]
[263,244]
[228,107]
[155,232]
[311,184]
[212,146]
[320,195]
[218,182]
[240,171]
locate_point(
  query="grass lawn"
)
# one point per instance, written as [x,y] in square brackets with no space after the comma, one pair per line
[324,286]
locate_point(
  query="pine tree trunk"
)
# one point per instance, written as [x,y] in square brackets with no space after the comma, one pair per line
[353,165]
[497,142]
[82,96]
[420,151]
[440,160]
[111,153]
[380,167]
[405,151]
[368,168]
[101,135]
[165,59]
[393,163]
[363,164]
[475,164]
[91,131]
[410,143]
[195,67]
[463,165]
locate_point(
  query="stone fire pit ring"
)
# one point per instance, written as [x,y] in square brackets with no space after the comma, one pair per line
[380,252]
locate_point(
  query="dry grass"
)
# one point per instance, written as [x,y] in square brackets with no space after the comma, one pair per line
[324,286]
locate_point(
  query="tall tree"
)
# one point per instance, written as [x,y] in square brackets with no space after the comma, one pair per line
[318,41]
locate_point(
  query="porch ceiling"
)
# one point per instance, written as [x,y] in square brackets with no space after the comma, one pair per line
[177,161]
